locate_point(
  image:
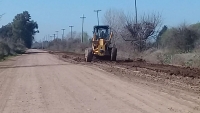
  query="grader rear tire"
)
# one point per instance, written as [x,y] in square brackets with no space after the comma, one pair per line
[88,55]
[113,54]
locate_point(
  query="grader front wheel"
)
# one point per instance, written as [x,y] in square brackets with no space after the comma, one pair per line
[88,55]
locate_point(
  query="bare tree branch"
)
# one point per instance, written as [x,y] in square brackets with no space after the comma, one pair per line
[139,33]
[2,15]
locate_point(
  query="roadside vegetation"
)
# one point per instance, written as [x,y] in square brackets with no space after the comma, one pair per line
[17,36]
[145,37]
[68,43]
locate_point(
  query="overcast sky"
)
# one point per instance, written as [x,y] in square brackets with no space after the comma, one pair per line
[54,15]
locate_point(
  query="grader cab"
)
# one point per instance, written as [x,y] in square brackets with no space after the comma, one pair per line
[101,45]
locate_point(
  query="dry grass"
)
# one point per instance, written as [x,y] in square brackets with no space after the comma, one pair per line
[71,45]
[165,57]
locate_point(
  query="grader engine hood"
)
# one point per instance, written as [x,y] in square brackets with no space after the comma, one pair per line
[101,47]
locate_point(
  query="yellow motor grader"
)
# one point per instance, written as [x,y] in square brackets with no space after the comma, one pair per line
[101,44]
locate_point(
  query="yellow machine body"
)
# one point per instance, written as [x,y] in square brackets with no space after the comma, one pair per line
[101,44]
[99,47]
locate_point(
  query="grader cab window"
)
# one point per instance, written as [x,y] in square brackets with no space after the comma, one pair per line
[101,32]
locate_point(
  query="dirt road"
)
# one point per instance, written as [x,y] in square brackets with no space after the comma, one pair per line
[40,83]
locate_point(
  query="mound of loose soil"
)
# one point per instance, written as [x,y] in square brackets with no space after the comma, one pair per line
[140,63]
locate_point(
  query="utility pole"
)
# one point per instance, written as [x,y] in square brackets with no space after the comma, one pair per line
[43,42]
[63,33]
[97,15]
[54,35]
[136,21]
[136,11]
[51,38]
[57,33]
[71,30]
[48,40]
[83,17]
[46,37]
